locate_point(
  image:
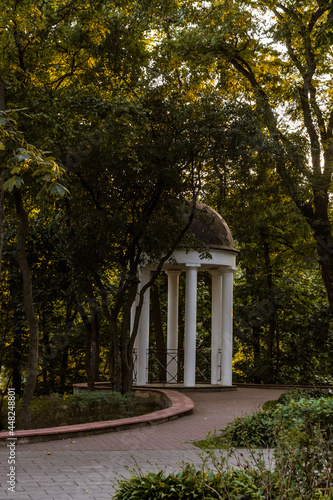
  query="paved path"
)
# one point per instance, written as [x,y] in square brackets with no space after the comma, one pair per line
[87,468]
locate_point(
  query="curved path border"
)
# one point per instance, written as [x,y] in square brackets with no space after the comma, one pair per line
[179,405]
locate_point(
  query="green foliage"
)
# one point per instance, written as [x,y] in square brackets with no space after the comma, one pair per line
[23,163]
[270,405]
[191,484]
[186,484]
[256,430]
[55,410]
[247,481]
[304,449]
[297,393]
[266,428]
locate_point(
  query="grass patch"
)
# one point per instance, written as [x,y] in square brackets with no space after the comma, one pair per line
[55,410]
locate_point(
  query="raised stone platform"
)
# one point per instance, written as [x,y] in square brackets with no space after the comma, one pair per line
[196,388]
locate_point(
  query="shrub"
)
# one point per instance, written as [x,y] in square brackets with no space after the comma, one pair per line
[305,414]
[270,405]
[187,484]
[297,393]
[256,430]
[55,410]
[262,429]
[247,482]
[304,444]
[191,483]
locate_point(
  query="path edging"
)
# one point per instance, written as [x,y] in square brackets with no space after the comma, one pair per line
[180,405]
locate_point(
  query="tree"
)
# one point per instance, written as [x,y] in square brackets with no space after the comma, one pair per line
[128,210]
[277,57]
[128,152]
[276,249]
[20,162]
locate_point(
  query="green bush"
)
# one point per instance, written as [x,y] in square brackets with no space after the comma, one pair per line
[191,483]
[246,483]
[270,405]
[154,486]
[304,444]
[55,410]
[256,430]
[305,414]
[262,429]
[297,393]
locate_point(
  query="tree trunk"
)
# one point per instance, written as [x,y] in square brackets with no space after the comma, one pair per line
[272,313]
[94,340]
[115,362]
[115,357]
[70,317]
[2,194]
[126,345]
[64,368]
[323,237]
[29,309]
[159,334]
[18,347]
[88,348]
[2,213]
[88,358]
[48,383]
[256,353]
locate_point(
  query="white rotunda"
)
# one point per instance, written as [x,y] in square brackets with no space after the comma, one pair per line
[220,261]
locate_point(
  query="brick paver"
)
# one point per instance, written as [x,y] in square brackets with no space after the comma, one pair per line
[88,467]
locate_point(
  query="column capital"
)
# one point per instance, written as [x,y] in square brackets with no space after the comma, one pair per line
[173,272]
[192,266]
[230,269]
[216,272]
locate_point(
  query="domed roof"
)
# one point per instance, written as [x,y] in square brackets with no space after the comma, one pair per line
[209,227]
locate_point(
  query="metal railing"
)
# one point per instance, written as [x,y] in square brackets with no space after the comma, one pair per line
[167,365]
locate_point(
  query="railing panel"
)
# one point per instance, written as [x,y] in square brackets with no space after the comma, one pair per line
[167,365]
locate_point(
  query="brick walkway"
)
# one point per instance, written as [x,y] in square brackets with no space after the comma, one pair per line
[87,468]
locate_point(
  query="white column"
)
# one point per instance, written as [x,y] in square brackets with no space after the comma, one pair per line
[143,332]
[172,325]
[227,319]
[190,325]
[216,341]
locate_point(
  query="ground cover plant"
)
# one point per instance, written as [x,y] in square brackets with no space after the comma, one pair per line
[299,425]
[191,483]
[214,479]
[56,410]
